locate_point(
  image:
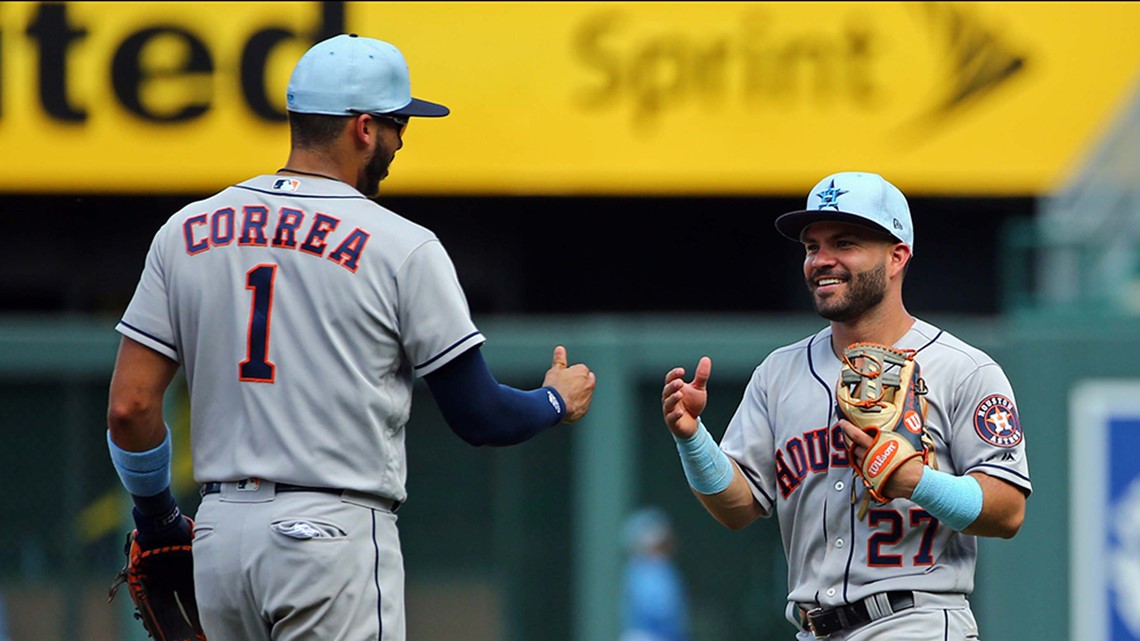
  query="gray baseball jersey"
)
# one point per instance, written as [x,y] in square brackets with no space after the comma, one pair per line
[785,439]
[301,311]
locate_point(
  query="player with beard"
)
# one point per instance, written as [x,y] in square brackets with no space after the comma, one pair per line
[903,569]
[302,312]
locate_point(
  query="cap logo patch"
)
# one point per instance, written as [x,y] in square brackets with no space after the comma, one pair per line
[995,420]
[830,197]
[897,224]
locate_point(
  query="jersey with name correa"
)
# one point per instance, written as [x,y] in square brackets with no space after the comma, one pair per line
[301,311]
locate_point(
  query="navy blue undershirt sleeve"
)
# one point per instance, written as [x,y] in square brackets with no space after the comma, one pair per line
[158,521]
[482,411]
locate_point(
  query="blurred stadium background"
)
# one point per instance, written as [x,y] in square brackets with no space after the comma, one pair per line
[607,180]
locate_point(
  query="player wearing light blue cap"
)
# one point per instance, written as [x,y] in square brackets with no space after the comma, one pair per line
[902,570]
[302,311]
[654,605]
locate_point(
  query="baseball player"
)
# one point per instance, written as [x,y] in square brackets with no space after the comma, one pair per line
[301,312]
[903,568]
[654,603]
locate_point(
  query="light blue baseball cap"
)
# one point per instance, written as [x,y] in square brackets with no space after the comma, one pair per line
[349,74]
[646,528]
[859,198]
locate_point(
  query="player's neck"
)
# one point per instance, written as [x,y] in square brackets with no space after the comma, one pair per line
[305,162]
[886,324]
[298,172]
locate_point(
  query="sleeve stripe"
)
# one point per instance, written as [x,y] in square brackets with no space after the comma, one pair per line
[1003,469]
[148,335]
[756,482]
[447,350]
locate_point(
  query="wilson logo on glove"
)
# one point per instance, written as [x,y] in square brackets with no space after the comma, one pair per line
[913,421]
[882,458]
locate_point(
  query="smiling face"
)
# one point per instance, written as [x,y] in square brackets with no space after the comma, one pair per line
[847,268]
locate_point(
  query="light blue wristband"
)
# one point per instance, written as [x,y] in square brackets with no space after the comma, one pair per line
[706,467]
[142,473]
[953,500]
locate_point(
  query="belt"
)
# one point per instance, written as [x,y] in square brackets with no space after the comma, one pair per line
[215,488]
[823,622]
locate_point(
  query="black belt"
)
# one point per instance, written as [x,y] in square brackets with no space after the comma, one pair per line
[216,488]
[823,622]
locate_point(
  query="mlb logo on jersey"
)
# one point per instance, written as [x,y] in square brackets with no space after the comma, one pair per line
[286,184]
[995,420]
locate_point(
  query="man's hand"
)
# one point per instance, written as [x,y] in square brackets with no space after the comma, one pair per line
[575,384]
[160,581]
[901,484]
[682,402]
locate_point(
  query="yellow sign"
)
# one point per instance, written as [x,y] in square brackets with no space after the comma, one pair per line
[577,98]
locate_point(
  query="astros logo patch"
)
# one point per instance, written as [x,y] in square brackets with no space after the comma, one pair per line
[996,421]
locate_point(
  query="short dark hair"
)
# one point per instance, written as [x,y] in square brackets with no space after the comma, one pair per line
[314,130]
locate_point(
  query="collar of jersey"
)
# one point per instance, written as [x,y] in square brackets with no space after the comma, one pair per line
[307,187]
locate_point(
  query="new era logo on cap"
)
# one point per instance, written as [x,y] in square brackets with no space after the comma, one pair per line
[859,198]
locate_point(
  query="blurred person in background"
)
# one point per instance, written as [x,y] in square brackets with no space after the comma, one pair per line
[5,631]
[654,604]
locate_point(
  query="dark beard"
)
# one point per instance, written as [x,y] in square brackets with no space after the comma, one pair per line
[375,171]
[865,290]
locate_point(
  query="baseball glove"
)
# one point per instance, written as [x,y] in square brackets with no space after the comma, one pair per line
[161,584]
[881,391]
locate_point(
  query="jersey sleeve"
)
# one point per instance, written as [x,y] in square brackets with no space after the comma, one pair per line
[749,441]
[147,319]
[987,435]
[435,322]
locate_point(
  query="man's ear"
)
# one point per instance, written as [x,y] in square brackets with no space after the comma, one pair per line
[899,258]
[364,129]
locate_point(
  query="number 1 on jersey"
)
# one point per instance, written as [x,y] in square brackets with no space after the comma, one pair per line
[256,367]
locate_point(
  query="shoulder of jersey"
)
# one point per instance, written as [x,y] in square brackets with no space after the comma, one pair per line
[793,356]
[951,348]
[796,349]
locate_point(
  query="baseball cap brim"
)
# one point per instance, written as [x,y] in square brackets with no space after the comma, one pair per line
[422,109]
[793,223]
